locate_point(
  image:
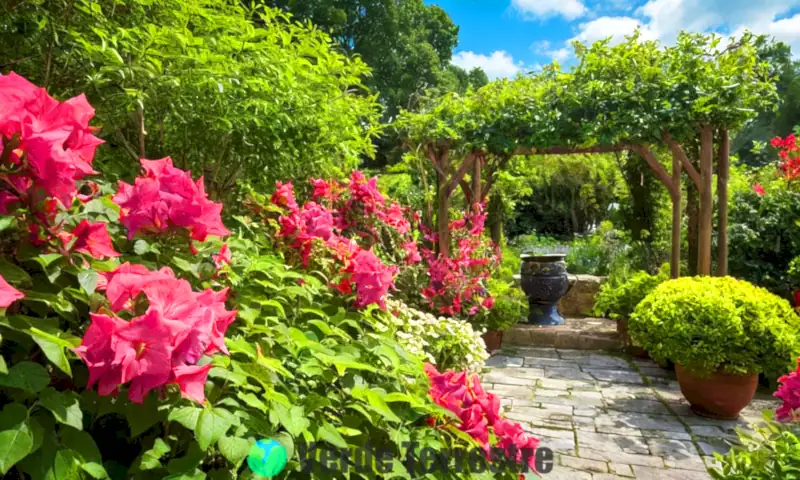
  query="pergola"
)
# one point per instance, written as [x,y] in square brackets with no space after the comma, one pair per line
[636,96]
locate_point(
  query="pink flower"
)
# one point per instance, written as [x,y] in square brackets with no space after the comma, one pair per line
[223,257]
[8,294]
[192,381]
[127,281]
[167,197]
[92,239]
[394,216]
[365,191]
[284,196]
[54,137]
[759,190]
[317,222]
[322,190]
[97,351]
[143,350]
[412,253]
[373,279]
[789,393]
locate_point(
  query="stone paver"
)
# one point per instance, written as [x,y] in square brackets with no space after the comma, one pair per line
[606,416]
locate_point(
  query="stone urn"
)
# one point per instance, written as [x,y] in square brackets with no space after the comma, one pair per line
[544,280]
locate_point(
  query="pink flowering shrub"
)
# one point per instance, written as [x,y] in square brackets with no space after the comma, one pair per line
[457,285]
[153,328]
[374,247]
[479,415]
[789,393]
[349,231]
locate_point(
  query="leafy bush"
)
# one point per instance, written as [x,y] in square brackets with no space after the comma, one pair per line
[617,301]
[771,452]
[764,237]
[708,324]
[448,343]
[131,292]
[244,94]
[510,305]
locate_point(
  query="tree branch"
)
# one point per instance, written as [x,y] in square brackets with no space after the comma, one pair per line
[662,174]
[677,150]
[459,175]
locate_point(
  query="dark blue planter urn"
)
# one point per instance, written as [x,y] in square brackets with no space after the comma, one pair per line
[544,280]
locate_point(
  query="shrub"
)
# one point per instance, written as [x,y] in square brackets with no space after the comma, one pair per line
[510,305]
[771,452]
[619,301]
[708,324]
[135,345]
[448,343]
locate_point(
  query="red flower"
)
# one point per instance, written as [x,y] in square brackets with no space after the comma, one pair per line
[8,294]
[91,239]
[192,381]
[759,190]
[373,279]
[322,190]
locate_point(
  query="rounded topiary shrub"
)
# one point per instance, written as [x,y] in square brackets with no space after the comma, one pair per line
[708,324]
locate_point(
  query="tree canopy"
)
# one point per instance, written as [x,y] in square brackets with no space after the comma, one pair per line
[238,94]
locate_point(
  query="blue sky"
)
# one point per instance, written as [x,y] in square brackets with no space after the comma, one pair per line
[505,37]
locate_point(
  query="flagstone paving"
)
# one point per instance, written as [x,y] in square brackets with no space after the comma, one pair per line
[607,416]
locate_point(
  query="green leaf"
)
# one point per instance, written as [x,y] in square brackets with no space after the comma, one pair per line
[151,459]
[14,274]
[293,419]
[376,403]
[88,280]
[3,367]
[65,406]
[15,444]
[212,424]
[186,416]
[142,417]
[53,349]
[84,446]
[187,463]
[252,401]
[329,434]
[140,247]
[6,222]
[28,376]
[234,449]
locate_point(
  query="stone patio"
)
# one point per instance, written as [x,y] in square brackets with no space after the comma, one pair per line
[608,416]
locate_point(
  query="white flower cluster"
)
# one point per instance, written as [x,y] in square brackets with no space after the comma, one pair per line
[448,343]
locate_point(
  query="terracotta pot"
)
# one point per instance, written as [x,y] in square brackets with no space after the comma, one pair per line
[721,396]
[493,339]
[622,330]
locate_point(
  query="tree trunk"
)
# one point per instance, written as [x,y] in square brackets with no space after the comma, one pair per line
[675,196]
[494,218]
[443,217]
[692,216]
[476,180]
[723,171]
[706,201]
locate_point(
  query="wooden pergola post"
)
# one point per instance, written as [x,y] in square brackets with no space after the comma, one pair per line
[706,200]
[723,173]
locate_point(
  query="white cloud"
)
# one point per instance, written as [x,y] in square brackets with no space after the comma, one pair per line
[665,18]
[545,48]
[538,9]
[615,27]
[498,64]
[784,30]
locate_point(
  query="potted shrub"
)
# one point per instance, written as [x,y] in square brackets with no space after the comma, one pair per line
[510,306]
[617,301]
[720,333]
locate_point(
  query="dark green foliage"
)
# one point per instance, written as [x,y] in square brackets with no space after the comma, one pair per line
[618,300]
[235,94]
[771,452]
[717,323]
[764,237]
[407,43]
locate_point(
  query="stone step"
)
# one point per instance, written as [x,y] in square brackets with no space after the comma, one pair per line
[576,333]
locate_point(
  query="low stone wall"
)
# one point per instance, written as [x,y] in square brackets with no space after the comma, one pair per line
[579,301]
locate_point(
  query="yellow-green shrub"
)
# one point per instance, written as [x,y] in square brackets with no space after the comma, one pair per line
[707,324]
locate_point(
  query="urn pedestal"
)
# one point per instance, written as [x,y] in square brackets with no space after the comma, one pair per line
[544,280]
